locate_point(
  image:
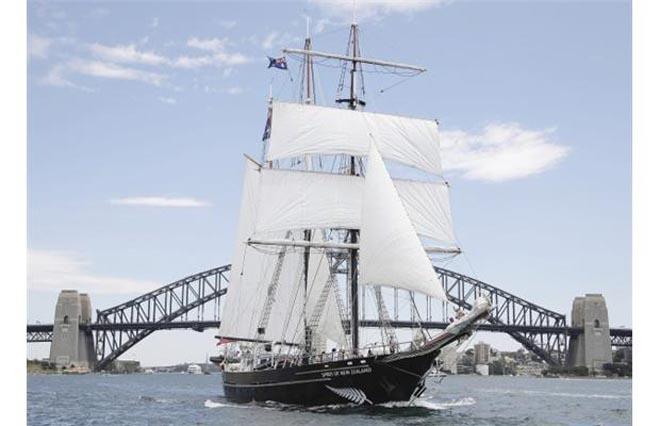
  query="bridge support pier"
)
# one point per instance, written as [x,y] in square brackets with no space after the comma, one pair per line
[71,346]
[592,348]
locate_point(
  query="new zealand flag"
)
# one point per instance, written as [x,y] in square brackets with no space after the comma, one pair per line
[279,63]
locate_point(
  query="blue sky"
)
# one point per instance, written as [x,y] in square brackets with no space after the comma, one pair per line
[132,100]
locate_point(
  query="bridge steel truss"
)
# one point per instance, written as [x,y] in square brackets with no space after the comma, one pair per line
[40,333]
[117,327]
[541,331]
[621,338]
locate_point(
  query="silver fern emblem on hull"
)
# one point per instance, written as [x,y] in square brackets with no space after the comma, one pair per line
[353,395]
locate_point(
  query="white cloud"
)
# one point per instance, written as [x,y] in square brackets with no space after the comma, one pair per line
[38,46]
[113,71]
[374,9]
[59,74]
[154,23]
[55,271]
[126,54]
[160,202]
[129,54]
[219,59]
[275,40]
[501,152]
[231,58]
[191,62]
[125,62]
[268,41]
[167,100]
[56,77]
[209,44]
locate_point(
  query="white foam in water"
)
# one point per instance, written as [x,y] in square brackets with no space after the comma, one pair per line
[430,405]
[212,404]
[418,403]
[463,402]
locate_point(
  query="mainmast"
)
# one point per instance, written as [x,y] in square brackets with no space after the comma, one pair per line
[308,72]
[353,102]
[310,97]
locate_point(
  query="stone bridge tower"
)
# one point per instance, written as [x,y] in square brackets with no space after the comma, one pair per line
[593,347]
[72,346]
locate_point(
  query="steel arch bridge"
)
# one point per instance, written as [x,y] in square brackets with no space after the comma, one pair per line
[539,330]
[182,305]
[121,327]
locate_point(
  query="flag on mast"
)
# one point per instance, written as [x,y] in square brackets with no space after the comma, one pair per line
[279,63]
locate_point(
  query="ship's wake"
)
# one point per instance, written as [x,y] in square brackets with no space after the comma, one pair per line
[402,407]
[430,404]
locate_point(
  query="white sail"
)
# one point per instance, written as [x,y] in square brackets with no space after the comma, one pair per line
[299,129]
[293,199]
[252,274]
[427,205]
[284,322]
[391,253]
[307,200]
[240,298]
[329,321]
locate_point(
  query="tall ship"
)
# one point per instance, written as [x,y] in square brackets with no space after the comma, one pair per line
[324,226]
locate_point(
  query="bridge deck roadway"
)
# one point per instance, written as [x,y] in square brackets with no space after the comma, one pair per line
[203,325]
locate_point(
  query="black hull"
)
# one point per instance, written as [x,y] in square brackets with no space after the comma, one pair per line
[381,378]
[375,379]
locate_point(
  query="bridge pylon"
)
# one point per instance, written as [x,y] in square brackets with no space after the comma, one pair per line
[73,344]
[593,346]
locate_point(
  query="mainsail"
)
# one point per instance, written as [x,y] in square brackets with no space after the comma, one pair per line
[299,129]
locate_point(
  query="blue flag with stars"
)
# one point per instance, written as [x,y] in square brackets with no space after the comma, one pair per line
[279,63]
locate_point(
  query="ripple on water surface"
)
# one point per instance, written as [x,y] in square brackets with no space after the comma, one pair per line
[176,399]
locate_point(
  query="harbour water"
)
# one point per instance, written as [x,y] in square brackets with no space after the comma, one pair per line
[182,399]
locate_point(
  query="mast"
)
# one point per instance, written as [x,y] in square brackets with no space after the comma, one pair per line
[307,234]
[353,59]
[353,233]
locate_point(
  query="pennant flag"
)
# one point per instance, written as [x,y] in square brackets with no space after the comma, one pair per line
[279,63]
